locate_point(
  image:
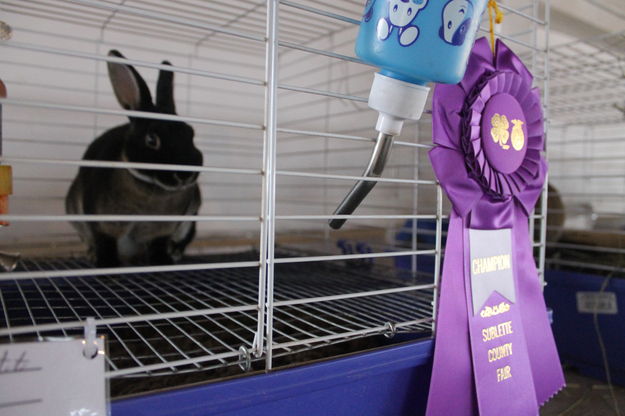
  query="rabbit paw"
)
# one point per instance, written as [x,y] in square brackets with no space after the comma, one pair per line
[162,259]
[105,252]
[106,262]
[159,252]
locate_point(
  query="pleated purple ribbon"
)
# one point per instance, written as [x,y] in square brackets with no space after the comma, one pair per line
[489,135]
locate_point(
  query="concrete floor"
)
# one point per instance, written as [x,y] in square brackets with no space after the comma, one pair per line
[584,396]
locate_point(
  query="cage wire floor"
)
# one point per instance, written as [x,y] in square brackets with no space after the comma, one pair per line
[302,332]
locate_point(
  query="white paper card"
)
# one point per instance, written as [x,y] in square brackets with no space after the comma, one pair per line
[597,302]
[52,378]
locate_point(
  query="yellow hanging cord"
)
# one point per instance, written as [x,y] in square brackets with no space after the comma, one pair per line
[492,6]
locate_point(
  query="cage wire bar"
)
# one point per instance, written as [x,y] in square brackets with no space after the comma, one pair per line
[546,74]
[202,327]
[269,190]
[588,81]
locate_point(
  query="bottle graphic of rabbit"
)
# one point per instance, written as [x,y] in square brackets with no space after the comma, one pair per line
[107,191]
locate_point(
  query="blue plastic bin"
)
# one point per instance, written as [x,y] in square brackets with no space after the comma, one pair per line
[575,334]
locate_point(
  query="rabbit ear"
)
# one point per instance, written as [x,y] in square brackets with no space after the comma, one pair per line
[165,91]
[130,89]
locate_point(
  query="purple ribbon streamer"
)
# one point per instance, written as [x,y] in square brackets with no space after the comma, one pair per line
[484,198]
[452,387]
[546,369]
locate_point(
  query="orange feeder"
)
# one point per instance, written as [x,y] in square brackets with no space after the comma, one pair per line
[6,189]
[6,180]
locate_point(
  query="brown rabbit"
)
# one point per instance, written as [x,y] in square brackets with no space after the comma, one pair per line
[138,191]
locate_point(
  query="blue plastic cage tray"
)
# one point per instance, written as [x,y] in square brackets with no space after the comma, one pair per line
[391,381]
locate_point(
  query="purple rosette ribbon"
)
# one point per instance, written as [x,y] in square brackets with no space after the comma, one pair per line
[494,348]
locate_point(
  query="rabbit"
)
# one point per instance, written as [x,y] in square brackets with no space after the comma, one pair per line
[138,191]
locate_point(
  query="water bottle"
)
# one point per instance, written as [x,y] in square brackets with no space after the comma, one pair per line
[413,42]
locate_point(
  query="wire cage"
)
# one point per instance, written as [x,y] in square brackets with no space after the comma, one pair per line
[588,116]
[585,244]
[278,103]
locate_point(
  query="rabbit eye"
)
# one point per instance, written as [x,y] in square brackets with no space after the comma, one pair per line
[152,141]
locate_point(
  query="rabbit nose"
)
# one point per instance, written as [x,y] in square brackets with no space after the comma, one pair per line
[185,177]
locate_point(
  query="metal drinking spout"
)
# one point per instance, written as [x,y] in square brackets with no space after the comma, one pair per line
[363,187]
[395,101]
